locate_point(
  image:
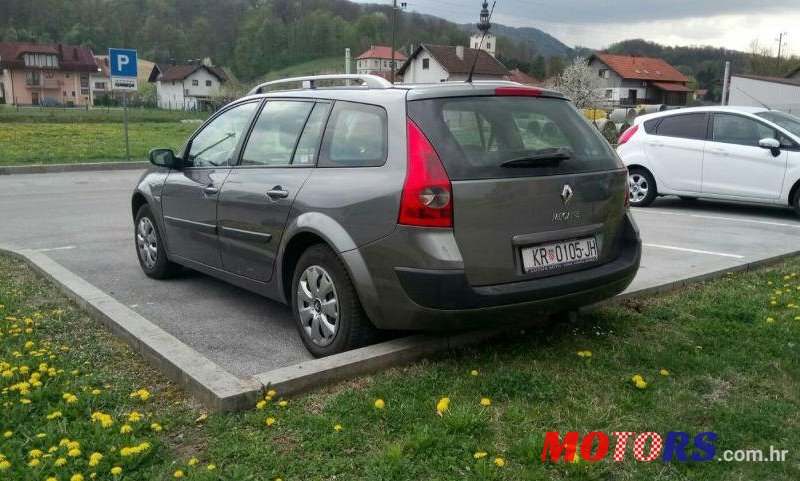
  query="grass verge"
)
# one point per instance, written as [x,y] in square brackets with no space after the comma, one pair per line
[721,357]
[66,143]
[56,115]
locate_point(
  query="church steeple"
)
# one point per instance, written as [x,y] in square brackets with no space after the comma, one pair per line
[484,24]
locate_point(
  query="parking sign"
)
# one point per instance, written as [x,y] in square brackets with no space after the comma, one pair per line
[123,69]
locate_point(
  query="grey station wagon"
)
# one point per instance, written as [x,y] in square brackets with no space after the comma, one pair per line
[406,207]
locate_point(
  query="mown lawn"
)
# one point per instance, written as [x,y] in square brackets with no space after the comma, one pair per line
[27,143]
[56,115]
[729,351]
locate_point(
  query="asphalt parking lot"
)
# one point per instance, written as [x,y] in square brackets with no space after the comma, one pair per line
[83,221]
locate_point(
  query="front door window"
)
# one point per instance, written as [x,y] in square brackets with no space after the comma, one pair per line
[215,145]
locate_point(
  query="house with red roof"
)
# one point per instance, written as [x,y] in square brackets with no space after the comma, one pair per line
[627,80]
[46,74]
[378,61]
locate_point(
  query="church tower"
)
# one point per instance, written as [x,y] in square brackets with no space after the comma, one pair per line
[489,42]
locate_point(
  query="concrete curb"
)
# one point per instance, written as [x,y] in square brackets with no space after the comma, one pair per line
[222,391]
[84,167]
[202,378]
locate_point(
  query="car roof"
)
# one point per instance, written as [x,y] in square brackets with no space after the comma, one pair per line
[741,109]
[383,89]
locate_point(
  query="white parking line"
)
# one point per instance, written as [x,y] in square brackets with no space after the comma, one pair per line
[62,248]
[696,251]
[717,217]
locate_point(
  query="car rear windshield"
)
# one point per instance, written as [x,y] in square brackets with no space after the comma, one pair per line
[497,137]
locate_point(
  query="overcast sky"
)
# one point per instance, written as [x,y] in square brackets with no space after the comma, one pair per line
[598,23]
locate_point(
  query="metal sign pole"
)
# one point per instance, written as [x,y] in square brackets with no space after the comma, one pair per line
[125,122]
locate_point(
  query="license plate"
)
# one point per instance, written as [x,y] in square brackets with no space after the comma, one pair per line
[559,254]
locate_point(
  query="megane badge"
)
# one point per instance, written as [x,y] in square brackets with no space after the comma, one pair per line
[566,194]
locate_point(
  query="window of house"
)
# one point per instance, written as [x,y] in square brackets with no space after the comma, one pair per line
[603,73]
[208,83]
[426,63]
[32,78]
[194,83]
[276,133]
[356,136]
[99,85]
[609,93]
[185,92]
[84,84]
[41,60]
[488,45]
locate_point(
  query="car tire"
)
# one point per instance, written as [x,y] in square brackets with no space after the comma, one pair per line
[796,202]
[326,306]
[642,187]
[149,245]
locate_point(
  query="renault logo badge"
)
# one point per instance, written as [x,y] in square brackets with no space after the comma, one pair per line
[566,194]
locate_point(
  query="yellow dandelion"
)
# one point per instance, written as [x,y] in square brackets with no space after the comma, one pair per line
[338,427]
[260,405]
[177,474]
[474,372]
[193,461]
[443,405]
[34,462]
[60,462]
[272,393]
[76,477]
[480,454]
[54,415]
[8,434]
[96,392]
[156,427]
[585,353]
[380,403]
[485,401]
[639,381]
[116,471]
[126,429]
[664,372]
[134,417]
[35,453]
[4,465]
[211,467]
[269,421]
[283,404]
[499,462]
[201,418]
[74,453]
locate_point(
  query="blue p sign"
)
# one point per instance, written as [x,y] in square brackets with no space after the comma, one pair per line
[122,62]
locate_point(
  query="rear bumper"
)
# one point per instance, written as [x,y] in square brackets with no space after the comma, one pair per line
[449,290]
[442,299]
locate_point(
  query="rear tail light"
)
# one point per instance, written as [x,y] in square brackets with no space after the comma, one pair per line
[427,198]
[626,136]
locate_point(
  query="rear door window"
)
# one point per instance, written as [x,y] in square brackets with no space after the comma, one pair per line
[356,136]
[476,137]
[687,126]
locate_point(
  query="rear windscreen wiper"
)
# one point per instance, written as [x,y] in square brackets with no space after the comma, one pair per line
[543,157]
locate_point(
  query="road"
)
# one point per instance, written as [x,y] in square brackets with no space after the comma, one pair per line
[83,221]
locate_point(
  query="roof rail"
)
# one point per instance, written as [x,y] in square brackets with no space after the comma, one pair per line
[309,82]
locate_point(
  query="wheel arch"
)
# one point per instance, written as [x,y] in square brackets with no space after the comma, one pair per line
[793,191]
[315,228]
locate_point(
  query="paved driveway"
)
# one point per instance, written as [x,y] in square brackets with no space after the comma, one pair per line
[83,221]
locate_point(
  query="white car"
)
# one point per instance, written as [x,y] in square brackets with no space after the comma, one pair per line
[730,153]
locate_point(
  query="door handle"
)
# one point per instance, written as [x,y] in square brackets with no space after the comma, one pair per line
[210,190]
[277,192]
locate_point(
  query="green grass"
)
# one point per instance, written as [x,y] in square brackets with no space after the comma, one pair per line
[312,67]
[58,143]
[10,114]
[732,357]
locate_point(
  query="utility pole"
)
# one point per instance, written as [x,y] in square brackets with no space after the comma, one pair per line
[394,28]
[780,48]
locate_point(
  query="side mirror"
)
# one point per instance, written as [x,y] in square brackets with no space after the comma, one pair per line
[771,144]
[164,158]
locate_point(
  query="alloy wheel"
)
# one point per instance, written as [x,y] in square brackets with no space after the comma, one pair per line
[318,305]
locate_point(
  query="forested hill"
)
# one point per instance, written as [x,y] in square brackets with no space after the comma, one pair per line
[252,37]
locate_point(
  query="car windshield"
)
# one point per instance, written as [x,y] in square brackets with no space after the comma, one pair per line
[787,121]
[495,137]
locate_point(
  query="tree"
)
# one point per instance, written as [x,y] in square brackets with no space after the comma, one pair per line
[579,83]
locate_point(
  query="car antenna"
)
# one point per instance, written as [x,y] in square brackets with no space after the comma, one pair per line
[760,102]
[484,26]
